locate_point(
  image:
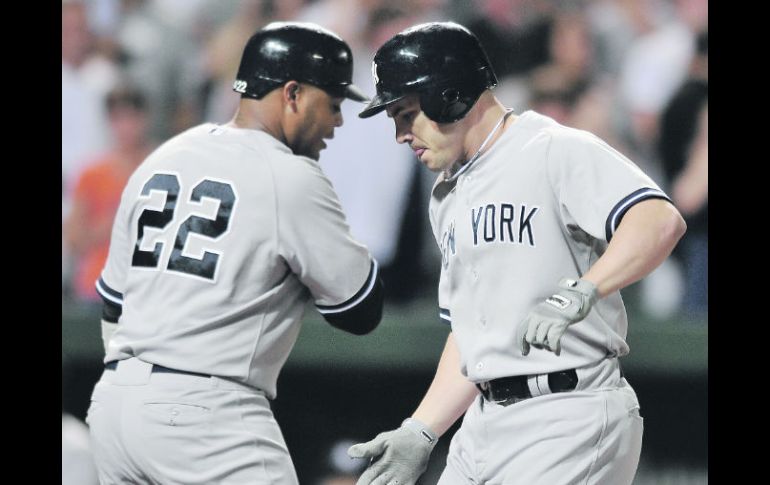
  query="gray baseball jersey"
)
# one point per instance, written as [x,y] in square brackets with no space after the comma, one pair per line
[222,237]
[541,204]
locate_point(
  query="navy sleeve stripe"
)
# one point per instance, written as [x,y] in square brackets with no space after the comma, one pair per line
[355,299]
[620,209]
[445,315]
[108,293]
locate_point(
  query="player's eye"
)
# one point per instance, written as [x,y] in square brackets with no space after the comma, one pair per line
[335,108]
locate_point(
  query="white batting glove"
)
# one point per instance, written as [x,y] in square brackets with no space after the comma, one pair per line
[398,457]
[548,321]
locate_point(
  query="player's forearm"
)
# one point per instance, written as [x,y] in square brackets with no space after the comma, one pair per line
[449,394]
[645,237]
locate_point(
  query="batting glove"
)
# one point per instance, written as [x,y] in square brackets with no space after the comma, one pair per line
[548,321]
[398,457]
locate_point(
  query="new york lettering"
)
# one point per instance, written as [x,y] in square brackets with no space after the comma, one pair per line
[499,222]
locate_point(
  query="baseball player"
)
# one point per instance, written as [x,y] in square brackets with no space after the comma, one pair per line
[223,235]
[539,226]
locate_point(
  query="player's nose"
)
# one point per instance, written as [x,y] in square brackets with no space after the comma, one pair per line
[404,136]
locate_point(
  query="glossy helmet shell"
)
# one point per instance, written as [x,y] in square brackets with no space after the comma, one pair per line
[300,51]
[443,62]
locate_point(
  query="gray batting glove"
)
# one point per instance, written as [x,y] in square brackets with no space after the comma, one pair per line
[548,321]
[398,457]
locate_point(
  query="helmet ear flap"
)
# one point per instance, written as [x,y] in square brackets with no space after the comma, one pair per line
[450,95]
[449,104]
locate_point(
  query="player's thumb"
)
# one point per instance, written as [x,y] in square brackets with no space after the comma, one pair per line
[521,333]
[369,449]
[524,346]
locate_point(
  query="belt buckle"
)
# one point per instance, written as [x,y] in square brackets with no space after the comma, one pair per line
[487,391]
[503,401]
[508,393]
[491,397]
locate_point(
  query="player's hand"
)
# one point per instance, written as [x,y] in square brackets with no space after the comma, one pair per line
[548,321]
[398,457]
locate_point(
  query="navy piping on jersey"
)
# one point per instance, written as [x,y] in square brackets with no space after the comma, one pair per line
[445,315]
[620,209]
[108,293]
[355,299]
[113,302]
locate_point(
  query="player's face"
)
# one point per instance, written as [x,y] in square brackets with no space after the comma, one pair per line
[436,145]
[319,115]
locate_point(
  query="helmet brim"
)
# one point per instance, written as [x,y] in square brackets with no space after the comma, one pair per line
[379,103]
[353,92]
[349,91]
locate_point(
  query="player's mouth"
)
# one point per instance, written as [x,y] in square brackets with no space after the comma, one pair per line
[418,152]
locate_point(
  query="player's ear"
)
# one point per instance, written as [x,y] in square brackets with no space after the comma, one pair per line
[291,91]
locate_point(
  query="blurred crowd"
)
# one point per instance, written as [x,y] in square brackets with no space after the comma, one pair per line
[634,72]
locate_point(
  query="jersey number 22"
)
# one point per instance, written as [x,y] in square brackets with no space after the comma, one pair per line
[204,267]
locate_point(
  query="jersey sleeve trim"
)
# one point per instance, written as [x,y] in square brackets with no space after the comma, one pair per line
[445,316]
[360,296]
[620,209]
[108,293]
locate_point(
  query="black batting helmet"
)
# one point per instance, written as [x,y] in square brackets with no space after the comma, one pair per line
[443,62]
[300,51]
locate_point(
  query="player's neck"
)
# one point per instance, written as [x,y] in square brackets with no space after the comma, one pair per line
[484,121]
[254,115]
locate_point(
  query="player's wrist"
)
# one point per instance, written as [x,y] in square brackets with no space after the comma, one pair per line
[420,429]
[588,290]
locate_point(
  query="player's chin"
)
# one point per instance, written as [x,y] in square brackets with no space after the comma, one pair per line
[431,162]
[431,165]
[317,151]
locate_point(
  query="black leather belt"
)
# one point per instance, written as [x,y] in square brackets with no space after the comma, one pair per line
[113,365]
[510,390]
